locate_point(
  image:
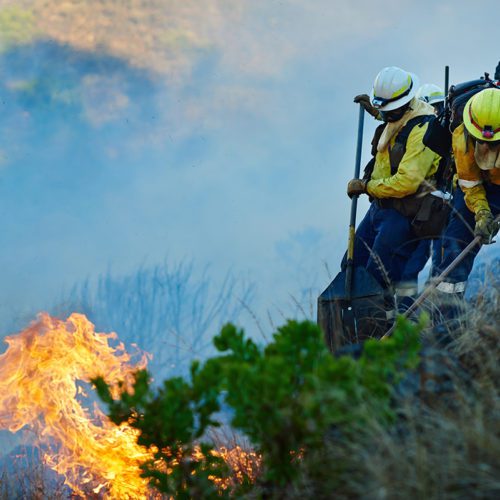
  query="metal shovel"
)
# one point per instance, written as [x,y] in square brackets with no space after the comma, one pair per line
[352,309]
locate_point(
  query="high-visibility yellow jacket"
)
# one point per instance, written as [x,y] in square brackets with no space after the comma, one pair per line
[418,163]
[470,176]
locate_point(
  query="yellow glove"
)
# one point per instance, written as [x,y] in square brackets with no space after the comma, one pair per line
[364,101]
[486,227]
[356,187]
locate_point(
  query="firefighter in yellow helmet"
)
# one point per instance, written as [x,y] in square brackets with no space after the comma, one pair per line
[476,147]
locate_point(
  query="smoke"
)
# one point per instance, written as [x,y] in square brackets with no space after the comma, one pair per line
[209,129]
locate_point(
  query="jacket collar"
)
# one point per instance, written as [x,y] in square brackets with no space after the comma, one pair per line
[417,108]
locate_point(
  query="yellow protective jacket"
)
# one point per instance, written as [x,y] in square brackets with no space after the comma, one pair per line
[418,163]
[470,176]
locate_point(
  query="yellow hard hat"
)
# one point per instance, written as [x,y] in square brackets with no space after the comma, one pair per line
[482,115]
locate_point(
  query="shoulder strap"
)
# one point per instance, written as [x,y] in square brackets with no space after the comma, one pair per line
[404,133]
[397,152]
[466,139]
[376,137]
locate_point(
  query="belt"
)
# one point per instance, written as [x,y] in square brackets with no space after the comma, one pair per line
[384,202]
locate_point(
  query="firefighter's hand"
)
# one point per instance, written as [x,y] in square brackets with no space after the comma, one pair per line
[364,101]
[486,227]
[356,187]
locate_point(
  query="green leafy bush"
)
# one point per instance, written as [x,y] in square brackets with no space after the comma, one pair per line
[288,397]
[171,420]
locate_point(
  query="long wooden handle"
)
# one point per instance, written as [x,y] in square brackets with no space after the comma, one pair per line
[354,207]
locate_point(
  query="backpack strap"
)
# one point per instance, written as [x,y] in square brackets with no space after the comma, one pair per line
[376,137]
[466,139]
[371,164]
[404,133]
[397,151]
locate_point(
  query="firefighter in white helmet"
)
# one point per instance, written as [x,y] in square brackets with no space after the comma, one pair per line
[402,171]
[433,95]
[429,93]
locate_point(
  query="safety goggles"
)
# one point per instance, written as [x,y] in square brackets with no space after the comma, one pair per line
[395,114]
[380,102]
[487,131]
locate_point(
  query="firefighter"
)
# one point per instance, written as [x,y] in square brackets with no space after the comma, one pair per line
[403,170]
[429,92]
[433,95]
[476,148]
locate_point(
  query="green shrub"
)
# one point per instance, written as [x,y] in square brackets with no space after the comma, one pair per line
[288,397]
[171,420]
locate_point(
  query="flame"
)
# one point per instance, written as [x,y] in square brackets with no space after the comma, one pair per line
[40,375]
[244,465]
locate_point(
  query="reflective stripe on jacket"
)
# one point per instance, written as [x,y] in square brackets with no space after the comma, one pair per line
[470,176]
[418,163]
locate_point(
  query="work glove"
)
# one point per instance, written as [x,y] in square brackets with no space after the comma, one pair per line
[486,227]
[356,187]
[364,101]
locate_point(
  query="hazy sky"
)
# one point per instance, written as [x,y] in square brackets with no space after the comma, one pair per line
[235,151]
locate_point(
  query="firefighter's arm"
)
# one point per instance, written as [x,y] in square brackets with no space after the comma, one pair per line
[475,196]
[415,166]
[469,174]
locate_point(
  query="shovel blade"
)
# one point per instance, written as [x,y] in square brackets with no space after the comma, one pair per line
[363,285]
[351,319]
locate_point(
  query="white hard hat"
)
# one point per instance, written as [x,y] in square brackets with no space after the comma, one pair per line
[430,93]
[393,87]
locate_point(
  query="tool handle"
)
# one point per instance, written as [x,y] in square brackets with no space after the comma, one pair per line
[439,279]
[354,207]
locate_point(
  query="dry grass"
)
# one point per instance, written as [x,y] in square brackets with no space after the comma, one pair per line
[24,476]
[445,447]
[151,34]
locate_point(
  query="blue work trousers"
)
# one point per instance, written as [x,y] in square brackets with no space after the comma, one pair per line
[417,261]
[458,234]
[425,249]
[384,242]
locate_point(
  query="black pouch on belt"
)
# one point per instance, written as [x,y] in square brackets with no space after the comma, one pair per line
[432,216]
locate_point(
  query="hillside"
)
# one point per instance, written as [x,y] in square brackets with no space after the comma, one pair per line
[151,34]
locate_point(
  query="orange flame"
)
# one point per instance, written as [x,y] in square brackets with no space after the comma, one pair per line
[38,388]
[244,465]
[41,376]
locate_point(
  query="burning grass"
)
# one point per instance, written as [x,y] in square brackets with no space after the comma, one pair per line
[42,386]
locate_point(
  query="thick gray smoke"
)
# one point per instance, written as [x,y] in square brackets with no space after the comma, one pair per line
[211,131]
